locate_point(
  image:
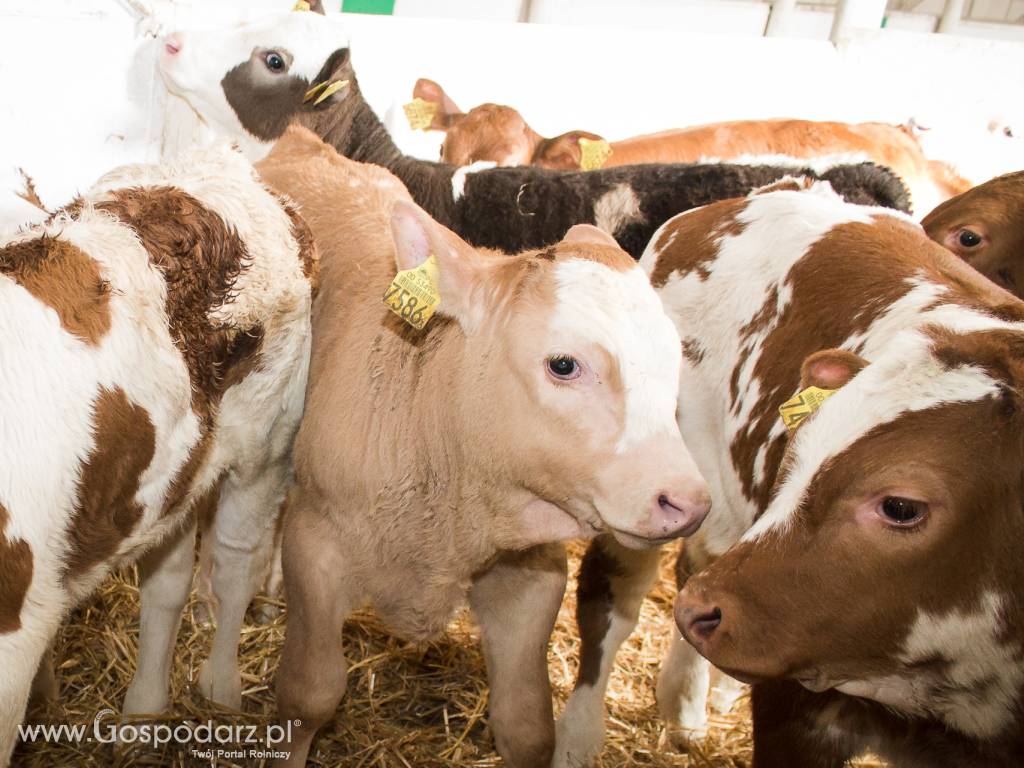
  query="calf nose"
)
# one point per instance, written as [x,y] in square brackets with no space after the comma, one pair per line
[173,44]
[679,512]
[697,617]
[701,622]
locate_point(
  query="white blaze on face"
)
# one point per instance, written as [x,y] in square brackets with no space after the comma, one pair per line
[620,312]
[907,377]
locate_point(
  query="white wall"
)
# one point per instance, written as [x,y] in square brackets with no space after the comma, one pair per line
[78,94]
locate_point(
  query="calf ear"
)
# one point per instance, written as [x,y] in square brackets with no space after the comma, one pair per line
[830,368]
[590,235]
[447,110]
[317,7]
[561,153]
[461,270]
[333,83]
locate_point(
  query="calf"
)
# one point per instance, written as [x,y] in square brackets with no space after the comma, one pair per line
[985,227]
[867,569]
[155,358]
[436,464]
[497,133]
[252,81]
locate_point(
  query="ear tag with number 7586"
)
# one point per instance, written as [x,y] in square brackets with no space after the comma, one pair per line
[413,294]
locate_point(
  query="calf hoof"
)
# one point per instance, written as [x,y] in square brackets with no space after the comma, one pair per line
[675,738]
[141,700]
[578,740]
[223,689]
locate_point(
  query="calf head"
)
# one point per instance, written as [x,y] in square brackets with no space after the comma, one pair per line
[888,563]
[490,132]
[251,81]
[566,388]
[985,227]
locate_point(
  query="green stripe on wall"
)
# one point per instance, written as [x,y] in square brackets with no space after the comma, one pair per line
[381,7]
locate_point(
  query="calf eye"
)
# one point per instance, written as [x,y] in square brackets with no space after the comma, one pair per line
[274,62]
[563,367]
[1008,132]
[903,512]
[969,239]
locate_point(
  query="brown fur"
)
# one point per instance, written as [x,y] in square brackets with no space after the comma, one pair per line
[64,278]
[200,257]
[995,211]
[15,576]
[107,511]
[703,229]
[307,247]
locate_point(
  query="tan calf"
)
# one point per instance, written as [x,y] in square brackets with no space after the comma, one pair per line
[538,405]
[497,133]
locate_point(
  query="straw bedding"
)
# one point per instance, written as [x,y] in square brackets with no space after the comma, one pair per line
[407,706]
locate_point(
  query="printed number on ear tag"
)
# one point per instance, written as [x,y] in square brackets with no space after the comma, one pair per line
[413,294]
[594,153]
[795,410]
[420,113]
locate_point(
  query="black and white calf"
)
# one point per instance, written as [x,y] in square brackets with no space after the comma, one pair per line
[251,81]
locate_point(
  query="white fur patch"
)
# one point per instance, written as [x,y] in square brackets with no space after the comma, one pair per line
[459,177]
[620,312]
[617,208]
[976,693]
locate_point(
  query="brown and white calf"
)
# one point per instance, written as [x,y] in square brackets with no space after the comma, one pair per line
[985,227]
[155,353]
[250,82]
[499,134]
[537,406]
[865,572]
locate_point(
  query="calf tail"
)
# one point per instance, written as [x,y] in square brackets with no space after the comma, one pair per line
[869,184]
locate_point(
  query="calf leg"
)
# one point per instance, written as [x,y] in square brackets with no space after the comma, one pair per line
[612,584]
[45,688]
[725,691]
[313,673]
[244,536]
[682,691]
[516,603]
[785,735]
[21,652]
[165,577]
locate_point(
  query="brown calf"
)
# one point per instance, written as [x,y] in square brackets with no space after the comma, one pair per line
[985,227]
[869,573]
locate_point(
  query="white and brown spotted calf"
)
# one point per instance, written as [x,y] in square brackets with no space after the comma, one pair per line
[866,572]
[537,406]
[155,347]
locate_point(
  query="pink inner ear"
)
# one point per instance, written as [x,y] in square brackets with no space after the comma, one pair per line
[588,233]
[830,374]
[412,243]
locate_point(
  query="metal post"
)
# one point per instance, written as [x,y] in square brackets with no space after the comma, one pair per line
[856,14]
[780,21]
[951,14]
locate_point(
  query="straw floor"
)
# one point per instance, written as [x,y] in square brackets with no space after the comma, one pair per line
[407,706]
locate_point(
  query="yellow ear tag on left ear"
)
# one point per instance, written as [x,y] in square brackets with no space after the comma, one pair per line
[325,89]
[594,153]
[420,113]
[301,5]
[413,294]
[795,410]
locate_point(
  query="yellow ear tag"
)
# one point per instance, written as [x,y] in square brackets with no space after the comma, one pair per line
[795,410]
[594,153]
[413,294]
[301,5]
[420,113]
[325,89]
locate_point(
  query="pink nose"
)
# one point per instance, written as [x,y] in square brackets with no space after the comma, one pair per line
[173,44]
[679,512]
